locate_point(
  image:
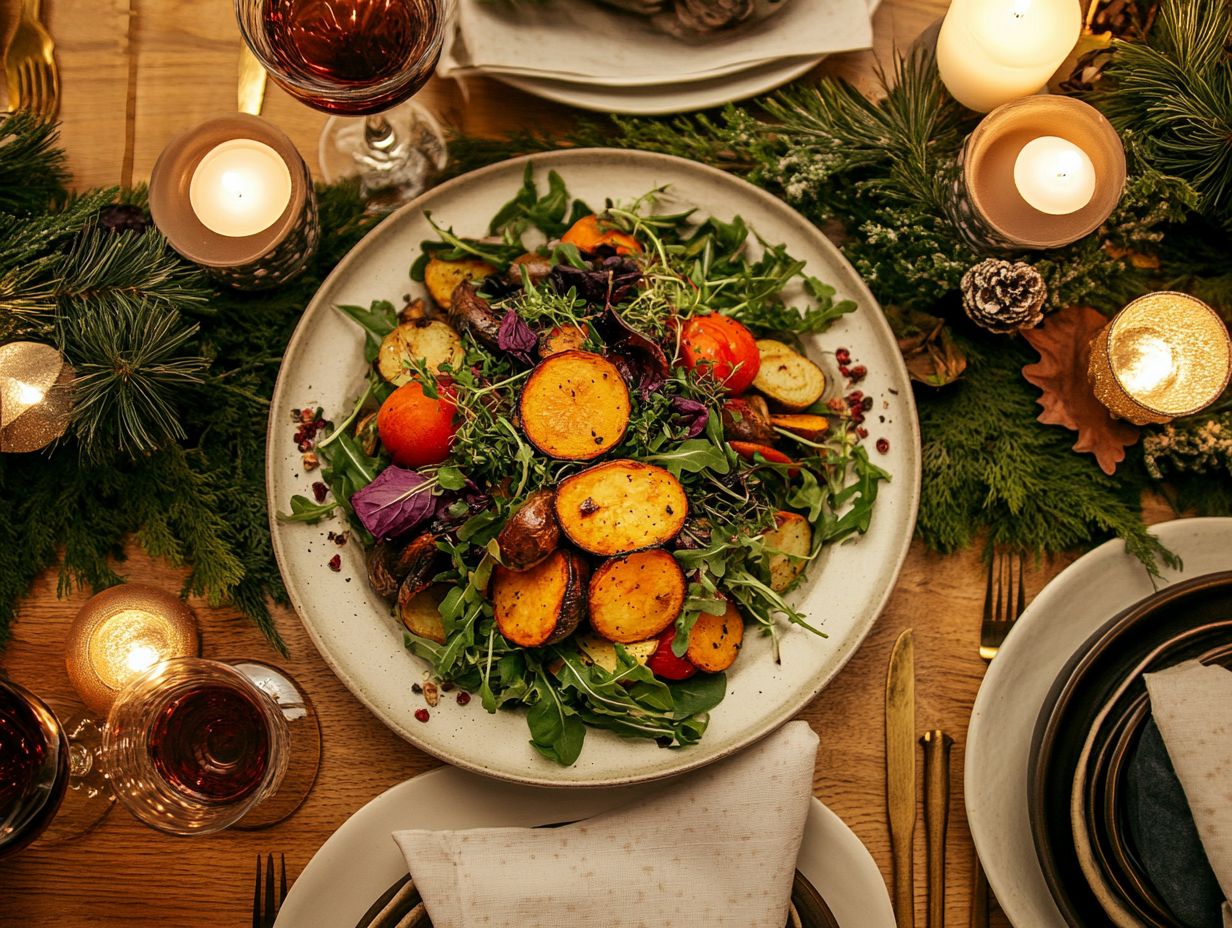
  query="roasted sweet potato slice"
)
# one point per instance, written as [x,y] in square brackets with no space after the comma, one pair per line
[590,233]
[442,277]
[561,338]
[621,506]
[531,533]
[575,406]
[793,539]
[542,605]
[808,427]
[431,341]
[787,377]
[635,597]
[421,614]
[715,640]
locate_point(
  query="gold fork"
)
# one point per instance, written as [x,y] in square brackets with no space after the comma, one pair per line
[30,70]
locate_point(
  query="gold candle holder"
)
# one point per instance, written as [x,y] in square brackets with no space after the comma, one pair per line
[1038,173]
[1164,355]
[123,632]
[234,196]
[36,397]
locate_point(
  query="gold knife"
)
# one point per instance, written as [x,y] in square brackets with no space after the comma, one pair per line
[251,83]
[937,746]
[900,773]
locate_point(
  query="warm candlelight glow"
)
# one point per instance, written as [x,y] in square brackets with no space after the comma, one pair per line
[127,644]
[1164,355]
[990,52]
[240,188]
[1054,175]
[28,394]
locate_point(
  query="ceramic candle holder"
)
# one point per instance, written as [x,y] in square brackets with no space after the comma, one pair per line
[988,206]
[256,261]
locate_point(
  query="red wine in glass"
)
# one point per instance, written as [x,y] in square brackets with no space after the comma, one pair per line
[34,767]
[362,56]
[211,742]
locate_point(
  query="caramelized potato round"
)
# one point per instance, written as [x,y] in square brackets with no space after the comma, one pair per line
[635,597]
[621,506]
[715,640]
[575,406]
[442,277]
[531,533]
[542,605]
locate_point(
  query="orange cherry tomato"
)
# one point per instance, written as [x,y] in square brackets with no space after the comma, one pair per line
[416,428]
[722,346]
[590,233]
[746,449]
[663,663]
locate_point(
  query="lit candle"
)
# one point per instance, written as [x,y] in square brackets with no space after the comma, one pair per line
[1054,175]
[235,197]
[123,632]
[990,52]
[240,188]
[1164,355]
[1040,172]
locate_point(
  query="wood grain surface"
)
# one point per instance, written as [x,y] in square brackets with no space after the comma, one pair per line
[178,58]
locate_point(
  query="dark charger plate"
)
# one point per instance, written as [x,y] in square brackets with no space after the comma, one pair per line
[1179,623]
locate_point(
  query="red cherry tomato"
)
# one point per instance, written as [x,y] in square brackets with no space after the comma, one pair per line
[663,663]
[724,347]
[416,428]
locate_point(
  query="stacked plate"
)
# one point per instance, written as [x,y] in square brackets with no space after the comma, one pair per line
[1076,813]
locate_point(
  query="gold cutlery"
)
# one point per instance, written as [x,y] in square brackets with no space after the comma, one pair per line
[30,69]
[900,773]
[251,94]
[936,818]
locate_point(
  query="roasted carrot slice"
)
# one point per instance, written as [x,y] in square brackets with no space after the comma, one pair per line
[621,506]
[590,233]
[715,640]
[635,597]
[746,449]
[575,406]
[806,425]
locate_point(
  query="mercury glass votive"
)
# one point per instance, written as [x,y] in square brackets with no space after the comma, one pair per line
[121,633]
[1164,355]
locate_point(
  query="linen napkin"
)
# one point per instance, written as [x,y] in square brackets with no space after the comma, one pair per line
[715,848]
[584,42]
[1192,705]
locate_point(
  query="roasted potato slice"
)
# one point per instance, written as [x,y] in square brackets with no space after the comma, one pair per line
[421,614]
[621,506]
[531,533]
[793,539]
[635,597]
[433,342]
[561,338]
[787,377]
[542,605]
[442,277]
[575,406]
[603,652]
[808,427]
[715,640]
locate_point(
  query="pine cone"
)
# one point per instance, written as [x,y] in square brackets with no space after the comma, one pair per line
[123,217]
[1002,296]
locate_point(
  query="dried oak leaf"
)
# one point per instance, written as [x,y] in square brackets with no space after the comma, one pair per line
[930,354]
[1064,343]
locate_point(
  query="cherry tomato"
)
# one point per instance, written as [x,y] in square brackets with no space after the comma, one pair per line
[590,233]
[663,663]
[724,347]
[416,428]
[746,449]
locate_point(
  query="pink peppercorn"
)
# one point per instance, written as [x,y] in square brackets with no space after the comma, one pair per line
[422,715]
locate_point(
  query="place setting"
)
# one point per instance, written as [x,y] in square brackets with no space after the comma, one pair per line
[590,522]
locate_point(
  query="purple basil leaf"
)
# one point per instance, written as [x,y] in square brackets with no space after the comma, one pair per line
[393,503]
[692,414]
[640,360]
[606,283]
[517,338]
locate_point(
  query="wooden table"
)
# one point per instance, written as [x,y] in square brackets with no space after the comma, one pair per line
[134,74]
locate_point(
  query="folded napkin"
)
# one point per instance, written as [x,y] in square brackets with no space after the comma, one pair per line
[715,848]
[584,42]
[1192,705]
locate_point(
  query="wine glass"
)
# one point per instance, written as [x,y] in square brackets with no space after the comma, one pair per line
[193,745]
[358,58]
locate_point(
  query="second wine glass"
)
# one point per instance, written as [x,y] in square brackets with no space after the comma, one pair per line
[358,58]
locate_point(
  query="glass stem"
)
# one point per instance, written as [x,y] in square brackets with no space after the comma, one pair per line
[379,136]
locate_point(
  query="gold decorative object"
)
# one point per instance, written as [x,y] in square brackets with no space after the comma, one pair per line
[1164,355]
[35,396]
[121,633]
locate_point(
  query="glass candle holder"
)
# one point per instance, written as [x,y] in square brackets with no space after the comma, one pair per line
[1038,173]
[1164,355]
[234,196]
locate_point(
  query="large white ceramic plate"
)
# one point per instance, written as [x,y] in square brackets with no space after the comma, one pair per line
[1057,623]
[354,629]
[677,96]
[360,860]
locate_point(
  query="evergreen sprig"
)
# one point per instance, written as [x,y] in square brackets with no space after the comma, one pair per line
[33,168]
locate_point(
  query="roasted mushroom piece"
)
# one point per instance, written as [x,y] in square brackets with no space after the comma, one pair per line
[747,418]
[471,313]
[532,533]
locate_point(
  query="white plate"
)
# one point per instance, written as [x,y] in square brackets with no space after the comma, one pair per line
[360,860]
[676,97]
[1060,619]
[353,628]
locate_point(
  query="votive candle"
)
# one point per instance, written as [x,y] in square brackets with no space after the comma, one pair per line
[240,188]
[1164,355]
[990,52]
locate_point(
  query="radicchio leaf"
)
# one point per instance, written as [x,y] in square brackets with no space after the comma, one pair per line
[394,503]
[517,338]
[692,414]
[607,282]
[640,360]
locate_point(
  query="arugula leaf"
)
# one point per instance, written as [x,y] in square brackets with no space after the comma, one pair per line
[377,321]
[694,456]
[305,510]
[556,730]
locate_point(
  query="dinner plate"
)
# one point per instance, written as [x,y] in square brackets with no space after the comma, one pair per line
[360,860]
[354,629]
[1053,628]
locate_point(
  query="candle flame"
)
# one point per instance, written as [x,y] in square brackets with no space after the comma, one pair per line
[142,657]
